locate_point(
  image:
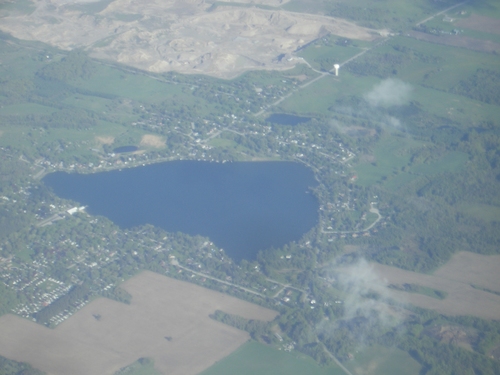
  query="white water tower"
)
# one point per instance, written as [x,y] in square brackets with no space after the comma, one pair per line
[336,67]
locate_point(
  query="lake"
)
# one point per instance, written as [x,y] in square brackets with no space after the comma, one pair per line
[284,119]
[242,207]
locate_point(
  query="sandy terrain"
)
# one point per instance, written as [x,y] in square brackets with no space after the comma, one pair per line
[105,140]
[161,307]
[150,140]
[455,278]
[481,23]
[185,36]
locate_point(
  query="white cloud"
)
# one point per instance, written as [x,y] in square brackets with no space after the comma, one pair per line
[389,92]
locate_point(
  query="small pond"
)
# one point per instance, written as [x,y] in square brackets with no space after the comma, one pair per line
[124,149]
[284,119]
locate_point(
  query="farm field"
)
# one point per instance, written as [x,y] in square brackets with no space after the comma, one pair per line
[255,358]
[476,269]
[378,360]
[323,57]
[462,278]
[329,88]
[143,366]
[394,153]
[106,335]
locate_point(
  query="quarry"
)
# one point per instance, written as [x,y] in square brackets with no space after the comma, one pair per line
[191,37]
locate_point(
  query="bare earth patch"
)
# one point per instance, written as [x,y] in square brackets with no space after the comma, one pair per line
[105,140]
[481,23]
[455,278]
[161,307]
[186,36]
[150,140]
[475,269]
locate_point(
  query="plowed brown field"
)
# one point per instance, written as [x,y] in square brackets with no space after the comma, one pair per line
[161,307]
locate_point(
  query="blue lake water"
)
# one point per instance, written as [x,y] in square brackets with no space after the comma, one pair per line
[284,119]
[242,207]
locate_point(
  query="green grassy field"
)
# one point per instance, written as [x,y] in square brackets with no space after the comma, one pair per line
[392,14]
[26,109]
[445,64]
[434,293]
[480,211]
[370,218]
[426,291]
[382,361]
[489,8]
[433,70]
[450,162]
[393,154]
[445,26]
[139,87]
[322,94]
[254,358]
[323,57]
[223,143]
[89,102]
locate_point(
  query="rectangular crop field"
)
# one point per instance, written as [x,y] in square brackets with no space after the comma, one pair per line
[466,279]
[255,358]
[378,360]
[167,320]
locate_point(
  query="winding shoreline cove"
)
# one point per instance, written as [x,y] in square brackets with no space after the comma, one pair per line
[242,207]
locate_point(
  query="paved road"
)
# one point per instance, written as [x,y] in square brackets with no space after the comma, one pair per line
[50,220]
[286,285]
[372,210]
[323,74]
[39,174]
[375,211]
[176,263]
[334,358]
[439,13]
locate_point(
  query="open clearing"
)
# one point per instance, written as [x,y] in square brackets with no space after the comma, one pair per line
[458,41]
[151,140]
[481,23]
[161,307]
[377,360]
[105,140]
[455,278]
[187,36]
[475,269]
[255,358]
